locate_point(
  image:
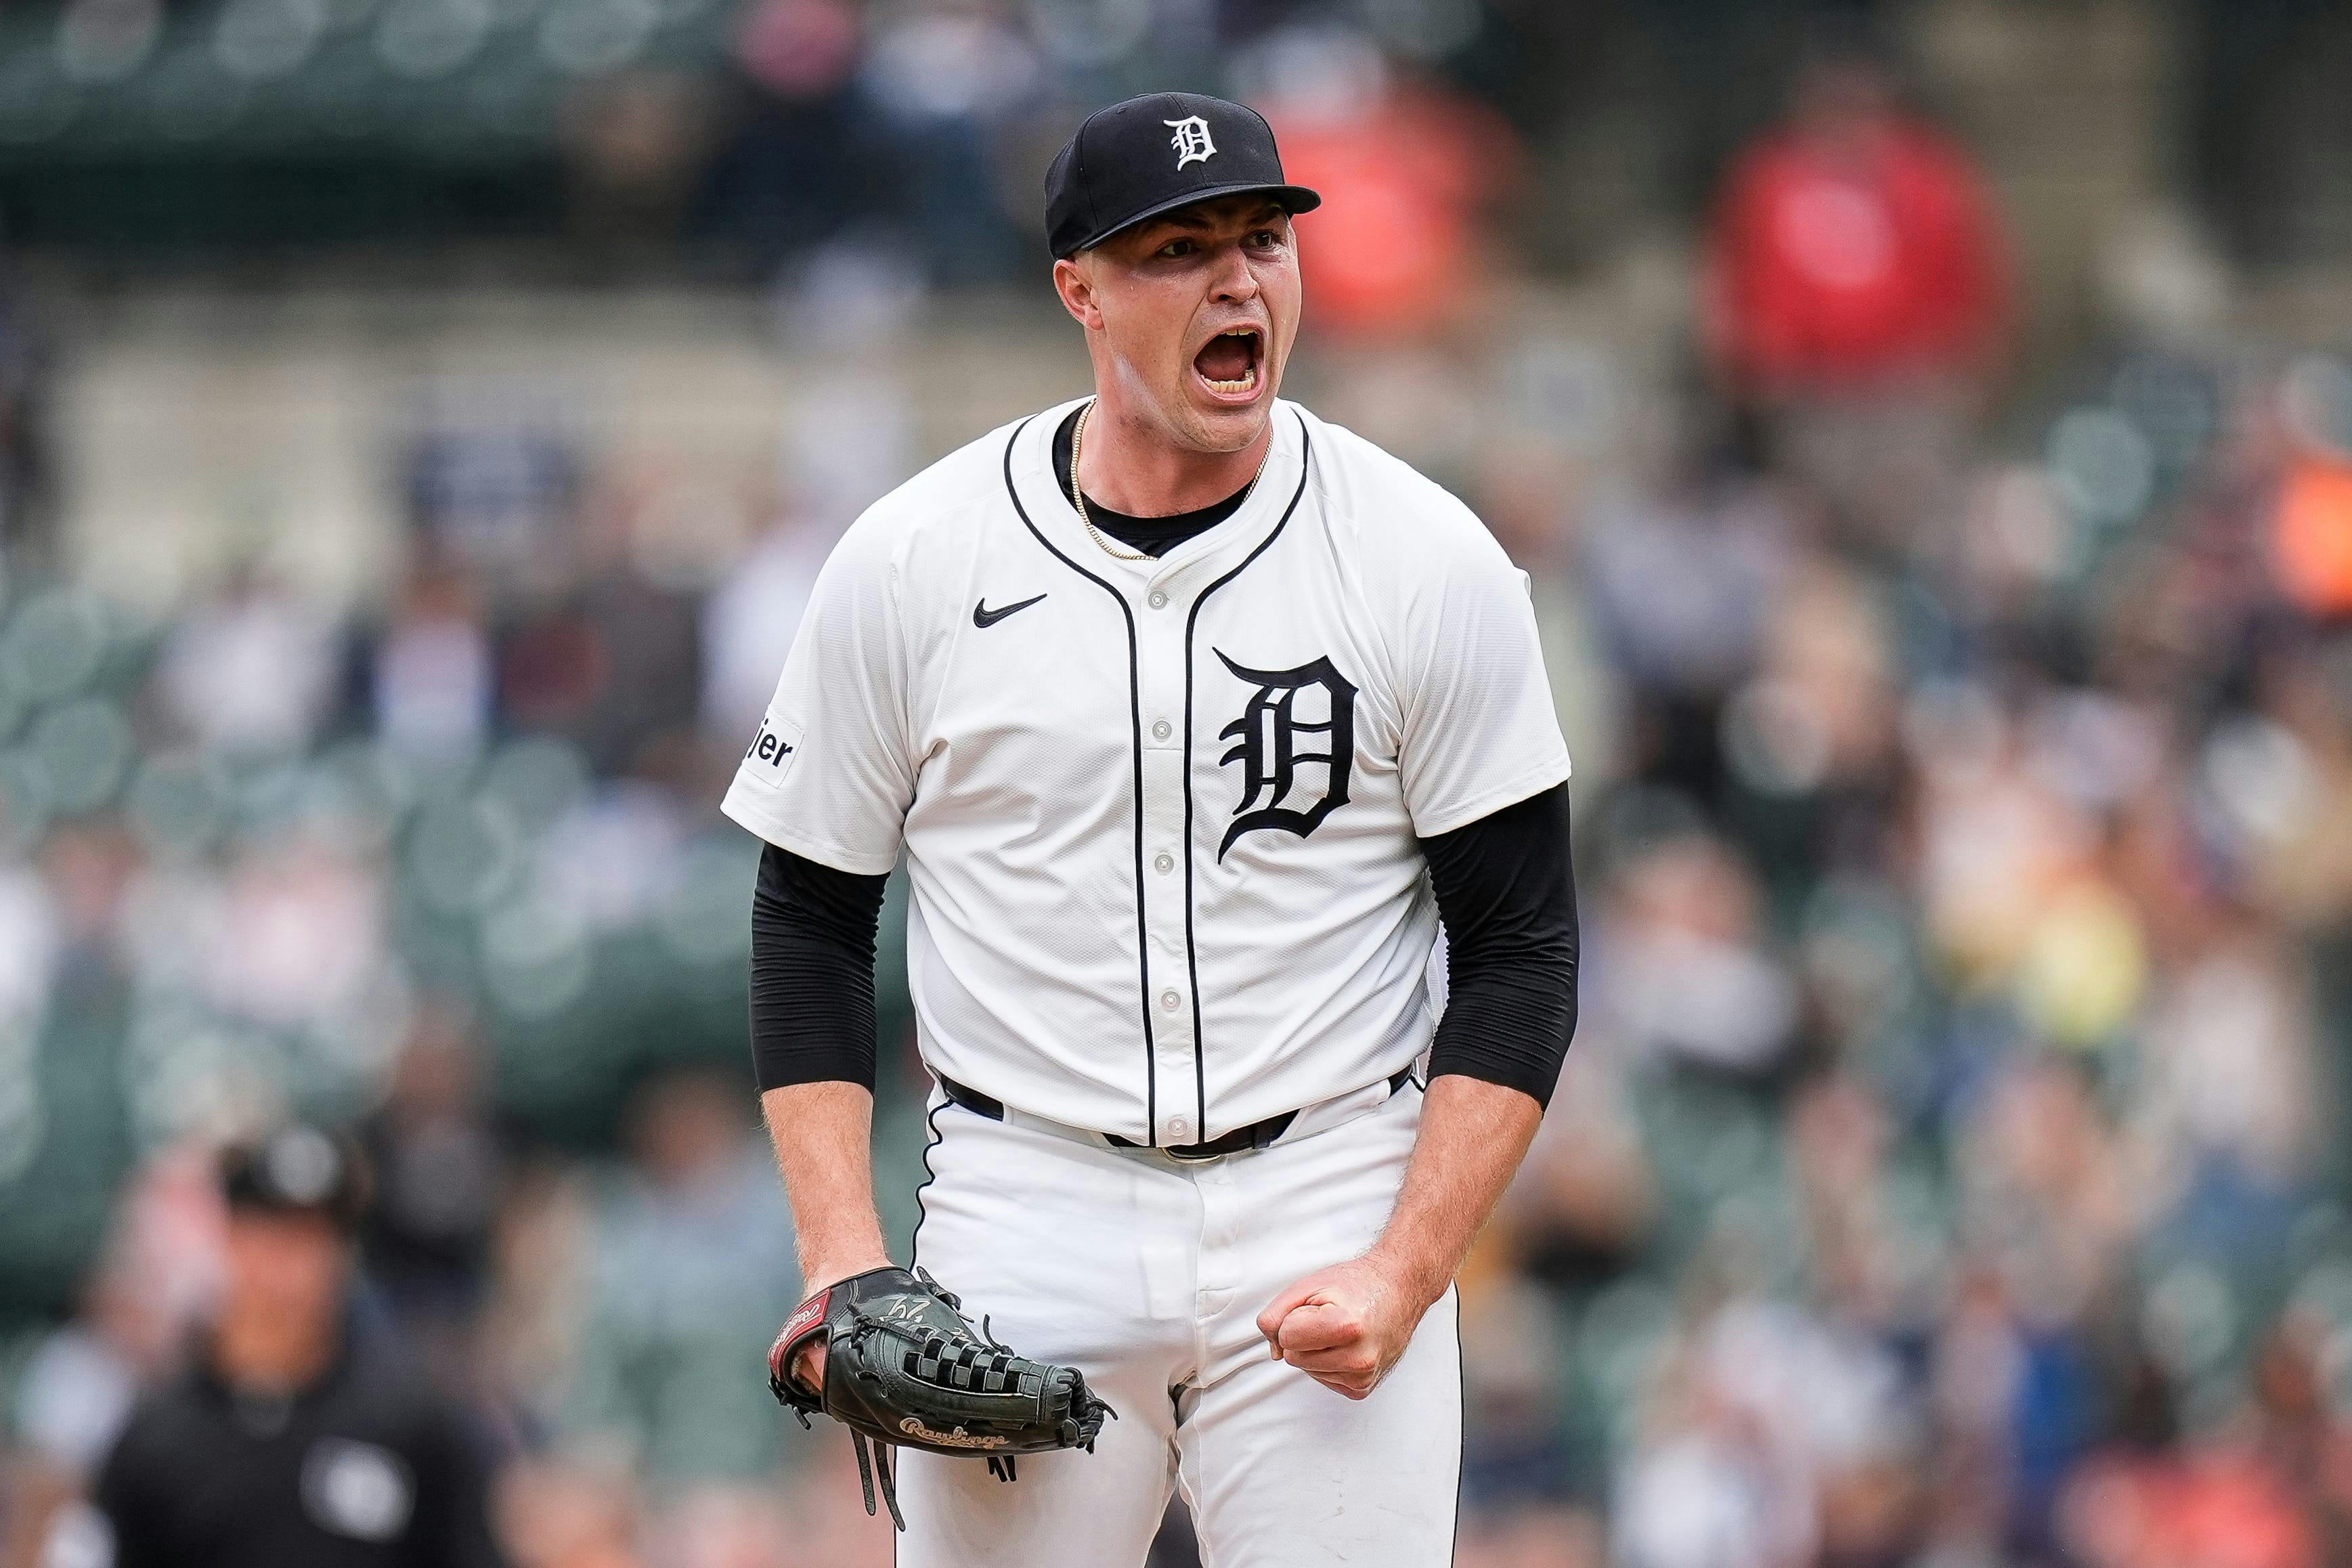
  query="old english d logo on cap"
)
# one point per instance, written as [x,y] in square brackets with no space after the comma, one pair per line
[1191,140]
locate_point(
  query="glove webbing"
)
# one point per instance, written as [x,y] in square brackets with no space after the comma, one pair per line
[972,1368]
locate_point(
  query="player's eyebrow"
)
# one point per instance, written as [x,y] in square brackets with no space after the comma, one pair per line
[1191,221]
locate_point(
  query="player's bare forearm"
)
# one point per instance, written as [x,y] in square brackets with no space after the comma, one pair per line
[1345,1326]
[1473,1136]
[823,1133]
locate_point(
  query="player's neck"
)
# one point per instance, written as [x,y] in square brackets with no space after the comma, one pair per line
[1129,464]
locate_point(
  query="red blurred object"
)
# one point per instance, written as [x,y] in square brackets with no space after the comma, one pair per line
[1857,246]
[798,49]
[2311,535]
[2218,1511]
[1401,177]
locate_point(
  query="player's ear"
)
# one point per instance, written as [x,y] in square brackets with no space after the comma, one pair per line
[1074,281]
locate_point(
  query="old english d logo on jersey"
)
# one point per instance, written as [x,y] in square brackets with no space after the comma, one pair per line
[1267,745]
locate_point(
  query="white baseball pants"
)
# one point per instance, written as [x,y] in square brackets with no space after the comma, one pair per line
[1148,1275]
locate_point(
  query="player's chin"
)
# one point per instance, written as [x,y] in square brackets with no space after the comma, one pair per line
[1226,422]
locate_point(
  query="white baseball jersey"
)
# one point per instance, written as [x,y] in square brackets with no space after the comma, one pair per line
[1160,815]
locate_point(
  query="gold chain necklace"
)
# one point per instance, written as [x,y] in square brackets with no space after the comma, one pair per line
[1079,496]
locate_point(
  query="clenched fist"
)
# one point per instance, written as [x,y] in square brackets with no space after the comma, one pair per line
[1345,1325]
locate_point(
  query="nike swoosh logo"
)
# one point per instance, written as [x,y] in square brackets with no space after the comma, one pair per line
[983,616]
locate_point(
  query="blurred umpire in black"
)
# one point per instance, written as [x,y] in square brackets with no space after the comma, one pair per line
[294,1443]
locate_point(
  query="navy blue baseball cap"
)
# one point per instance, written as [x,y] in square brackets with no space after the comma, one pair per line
[1153,155]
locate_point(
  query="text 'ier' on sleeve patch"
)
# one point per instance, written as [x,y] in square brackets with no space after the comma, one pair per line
[773,749]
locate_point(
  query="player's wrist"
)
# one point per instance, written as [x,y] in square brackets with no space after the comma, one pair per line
[821,1270]
[1421,1277]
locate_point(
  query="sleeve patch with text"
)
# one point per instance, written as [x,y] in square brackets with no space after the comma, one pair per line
[776,746]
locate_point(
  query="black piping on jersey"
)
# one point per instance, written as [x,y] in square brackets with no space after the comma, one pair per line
[922,1209]
[1134,733]
[923,1212]
[1191,957]
[1461,1436]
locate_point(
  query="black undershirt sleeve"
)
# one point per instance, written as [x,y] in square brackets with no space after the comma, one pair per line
[1507,897]
[813,931]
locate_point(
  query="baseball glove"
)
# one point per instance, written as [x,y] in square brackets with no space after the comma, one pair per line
[903,1367]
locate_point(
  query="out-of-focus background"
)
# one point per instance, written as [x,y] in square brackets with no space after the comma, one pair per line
[1928,429]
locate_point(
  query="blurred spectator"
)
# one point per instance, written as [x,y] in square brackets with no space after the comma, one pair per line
[2313,535]
[1854,250]
[250,671]
[1682,575]
[946,80]
[492,482]
[1856,297]
[79,1388]
[1407,169]
[27,536]
[298,936]
[438,1163]
[552,1515]
[1516,1459]
[159,1276]
[295,1441]
[1585,1199]
[807,155]
[749,622]
[1680,971]
[651,635]
[28,943]
[429,673]
[614,856]
[1527,501]
[1553,1536]
[637,140]
[691,1261]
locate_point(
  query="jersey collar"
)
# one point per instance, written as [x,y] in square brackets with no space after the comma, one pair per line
[1048,505]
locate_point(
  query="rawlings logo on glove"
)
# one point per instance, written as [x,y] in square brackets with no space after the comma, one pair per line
[902,1366]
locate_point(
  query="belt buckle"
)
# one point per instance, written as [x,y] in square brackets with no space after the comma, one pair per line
[1172,1152]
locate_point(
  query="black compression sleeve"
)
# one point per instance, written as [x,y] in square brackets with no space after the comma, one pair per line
[1507,897]
[813,972]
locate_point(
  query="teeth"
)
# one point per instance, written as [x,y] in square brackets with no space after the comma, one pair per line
[1248,378]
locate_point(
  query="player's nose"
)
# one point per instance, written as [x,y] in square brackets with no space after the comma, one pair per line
[1233,282]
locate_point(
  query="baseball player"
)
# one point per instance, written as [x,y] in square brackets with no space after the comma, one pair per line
[1192,716]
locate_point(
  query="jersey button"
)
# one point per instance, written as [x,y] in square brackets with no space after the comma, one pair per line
[1170,1001]
[1179,1127]
[1158,601]
[1163,863]
[1162,730]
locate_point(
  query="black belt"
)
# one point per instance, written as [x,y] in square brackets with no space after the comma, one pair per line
[1256,1135]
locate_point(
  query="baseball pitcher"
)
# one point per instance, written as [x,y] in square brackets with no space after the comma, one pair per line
[1192,716]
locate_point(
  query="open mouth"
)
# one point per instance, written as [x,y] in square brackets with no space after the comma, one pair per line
[1228,362]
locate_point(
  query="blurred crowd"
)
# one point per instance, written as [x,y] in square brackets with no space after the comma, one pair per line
[1950,1167]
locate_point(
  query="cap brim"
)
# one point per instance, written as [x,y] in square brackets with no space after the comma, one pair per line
[1292,199]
